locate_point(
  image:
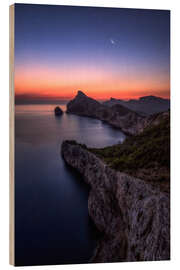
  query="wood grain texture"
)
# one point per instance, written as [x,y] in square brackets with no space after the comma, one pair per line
[11,137]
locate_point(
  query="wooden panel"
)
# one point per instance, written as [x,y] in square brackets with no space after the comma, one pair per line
[11,137]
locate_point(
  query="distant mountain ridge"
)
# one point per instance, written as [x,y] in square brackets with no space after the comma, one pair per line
[145,105]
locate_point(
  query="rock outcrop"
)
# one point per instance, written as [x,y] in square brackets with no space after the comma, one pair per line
[132,216]
[144,105]
[156,119]
[58,111]
[118,116]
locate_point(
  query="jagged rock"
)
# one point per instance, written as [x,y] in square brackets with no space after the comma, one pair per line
[132,216]
[58,111]
[118,116]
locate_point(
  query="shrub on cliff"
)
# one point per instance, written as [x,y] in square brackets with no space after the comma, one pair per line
[146,155]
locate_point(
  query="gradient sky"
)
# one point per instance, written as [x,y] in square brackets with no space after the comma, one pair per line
[105,52]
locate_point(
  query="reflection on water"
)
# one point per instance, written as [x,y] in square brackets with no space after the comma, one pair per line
[32,109]
[52,225]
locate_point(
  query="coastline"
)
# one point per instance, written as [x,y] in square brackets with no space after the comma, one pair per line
[128,212]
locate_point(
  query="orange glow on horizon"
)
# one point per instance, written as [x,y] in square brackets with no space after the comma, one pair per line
[41,82]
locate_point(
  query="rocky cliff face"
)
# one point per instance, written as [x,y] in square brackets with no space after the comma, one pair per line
[156,119]
[118,116]
[132,216]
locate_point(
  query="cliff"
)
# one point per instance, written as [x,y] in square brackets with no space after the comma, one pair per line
[118,116]
[145,155]
[132,215]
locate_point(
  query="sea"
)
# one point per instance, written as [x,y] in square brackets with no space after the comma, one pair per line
[52,225]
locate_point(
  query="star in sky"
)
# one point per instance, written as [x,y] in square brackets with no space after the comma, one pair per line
[112,41]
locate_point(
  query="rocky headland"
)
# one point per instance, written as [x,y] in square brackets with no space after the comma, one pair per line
[118,116]
[132,215]
[129,199]
[130,122]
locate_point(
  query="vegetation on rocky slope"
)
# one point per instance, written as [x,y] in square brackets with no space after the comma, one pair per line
[146,156]
[128,212]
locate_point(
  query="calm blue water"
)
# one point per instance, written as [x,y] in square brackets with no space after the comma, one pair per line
[52,225]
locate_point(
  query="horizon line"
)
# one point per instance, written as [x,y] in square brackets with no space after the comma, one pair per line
[25,100]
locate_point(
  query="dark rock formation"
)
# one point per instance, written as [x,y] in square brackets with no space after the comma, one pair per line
[118,116]
[144,105]
[132,216]
[83,105]
[58,111]
[146,155]
[156,119]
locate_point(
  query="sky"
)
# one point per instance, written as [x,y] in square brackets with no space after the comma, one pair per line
[104,52]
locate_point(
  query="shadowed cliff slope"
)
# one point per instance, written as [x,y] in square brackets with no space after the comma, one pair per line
[118,116]
[146,155]
[129,192]
[131,214]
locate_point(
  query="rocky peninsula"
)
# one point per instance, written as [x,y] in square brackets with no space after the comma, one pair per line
[118,116]
[130,122]
[132,215]
[129,199]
